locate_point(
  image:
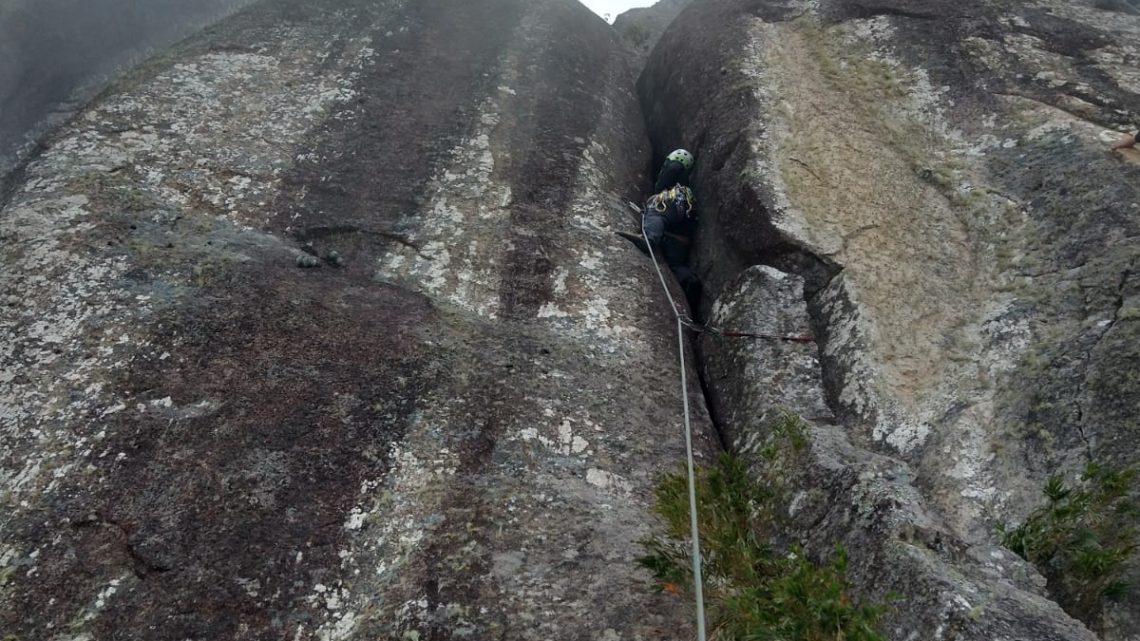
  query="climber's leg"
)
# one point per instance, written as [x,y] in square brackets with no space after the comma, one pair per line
[676,254]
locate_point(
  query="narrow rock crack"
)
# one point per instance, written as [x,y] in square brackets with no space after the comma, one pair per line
[1118,304]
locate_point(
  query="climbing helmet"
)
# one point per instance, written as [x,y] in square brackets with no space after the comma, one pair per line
[682,156]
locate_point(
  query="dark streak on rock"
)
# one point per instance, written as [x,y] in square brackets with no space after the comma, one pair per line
[375,162]
[555,135]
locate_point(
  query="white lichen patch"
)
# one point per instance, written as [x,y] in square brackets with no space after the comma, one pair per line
[563,438]
[463,228]
[969,456]
[203,140]
[393,518]
[1120,61]
[101,599]
[216,130]
[1048,129]
[878,31]
[340,628]
[608,481]
[61,292]
[903,433]
[1007,338]
[594,318]
[252,587]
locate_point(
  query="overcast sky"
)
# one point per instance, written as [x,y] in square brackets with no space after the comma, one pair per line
[614,7]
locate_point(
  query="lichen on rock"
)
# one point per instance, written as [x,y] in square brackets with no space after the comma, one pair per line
[915,168]
[454,432]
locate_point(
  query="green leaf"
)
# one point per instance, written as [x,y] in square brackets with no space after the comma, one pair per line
[753,591]
[1055,489]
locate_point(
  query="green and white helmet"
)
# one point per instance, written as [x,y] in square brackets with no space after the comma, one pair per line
[682,156]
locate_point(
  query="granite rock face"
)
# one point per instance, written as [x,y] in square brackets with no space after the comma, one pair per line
[57,54]
[315,327]
[641,28]
[937,175]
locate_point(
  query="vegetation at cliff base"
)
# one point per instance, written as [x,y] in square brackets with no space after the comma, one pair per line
[753,589]
[1082,539]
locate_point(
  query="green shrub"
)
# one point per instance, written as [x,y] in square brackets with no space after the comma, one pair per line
[753,590]
[1082,539]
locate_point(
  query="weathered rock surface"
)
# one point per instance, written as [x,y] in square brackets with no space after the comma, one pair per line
[938,175]
[315,327]
[446,426]
[56,54]
[641,28]
[840,492]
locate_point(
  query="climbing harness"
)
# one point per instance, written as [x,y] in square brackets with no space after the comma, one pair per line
[698,583]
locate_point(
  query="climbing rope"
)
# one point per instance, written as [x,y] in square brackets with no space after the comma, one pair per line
[683,321]
[706,328]
[698,584]
[726,333]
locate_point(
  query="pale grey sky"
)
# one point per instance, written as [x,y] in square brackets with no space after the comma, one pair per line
[614,7]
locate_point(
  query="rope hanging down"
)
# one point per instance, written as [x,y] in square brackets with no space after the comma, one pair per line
[708,329]
[684,321]
[698,583]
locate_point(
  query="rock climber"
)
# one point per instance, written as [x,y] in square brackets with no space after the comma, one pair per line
[669,220]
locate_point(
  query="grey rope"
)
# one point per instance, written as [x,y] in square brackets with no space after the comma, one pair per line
[696,551]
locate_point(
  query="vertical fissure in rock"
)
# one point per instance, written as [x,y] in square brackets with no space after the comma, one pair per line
[719,257]
[904,435]
[710,407]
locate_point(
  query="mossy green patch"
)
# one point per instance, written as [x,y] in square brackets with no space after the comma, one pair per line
[6,574]
[1129,313]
